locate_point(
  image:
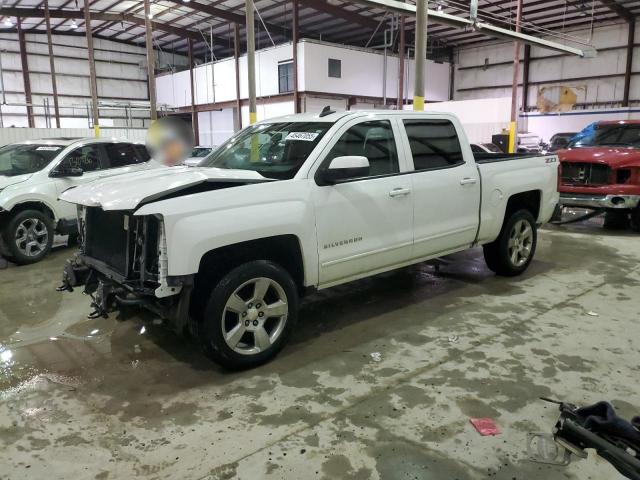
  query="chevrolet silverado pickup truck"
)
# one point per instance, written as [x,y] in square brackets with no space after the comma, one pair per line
[600,169]
[298,203]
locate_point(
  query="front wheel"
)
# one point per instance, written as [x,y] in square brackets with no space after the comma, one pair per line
[510,254]
[250,315]
[28,236]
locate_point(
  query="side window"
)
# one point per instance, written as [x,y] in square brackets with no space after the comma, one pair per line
[373,140]
[120,154]
[87,158]
[434,144]
[143,153]
[285,76]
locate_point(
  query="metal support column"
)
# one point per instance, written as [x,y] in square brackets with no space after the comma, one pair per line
[295,38]
[25,72]
[194,114]
[151,60]
[92,70]
[627,72]
[514,85]
[52,66]
[525,77]
[401,48]
[251,61]
[420,54]
[236,58]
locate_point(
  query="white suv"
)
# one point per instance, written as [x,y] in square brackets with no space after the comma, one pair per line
[33,174]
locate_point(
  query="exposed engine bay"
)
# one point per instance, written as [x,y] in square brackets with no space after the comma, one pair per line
[122,262]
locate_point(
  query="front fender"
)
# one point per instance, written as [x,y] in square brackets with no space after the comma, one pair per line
[236,215]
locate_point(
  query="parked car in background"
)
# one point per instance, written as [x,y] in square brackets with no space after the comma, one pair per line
[197,154]
[601,169]
[560,141]
[34,173]
[299,203]
[529,143]
[485,148]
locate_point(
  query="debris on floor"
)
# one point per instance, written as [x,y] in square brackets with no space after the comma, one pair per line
[485,426]
[376,356]
[591,313]
[453,338]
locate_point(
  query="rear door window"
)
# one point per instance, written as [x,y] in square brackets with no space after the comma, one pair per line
[121,154]
[143,153]
[434,143]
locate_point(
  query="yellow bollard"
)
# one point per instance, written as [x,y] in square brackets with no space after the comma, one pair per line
[512,137]
[418,104]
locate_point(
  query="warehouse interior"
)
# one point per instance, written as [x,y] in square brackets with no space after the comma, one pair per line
[453,327]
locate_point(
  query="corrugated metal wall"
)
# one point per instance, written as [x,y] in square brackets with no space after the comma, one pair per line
[121,77]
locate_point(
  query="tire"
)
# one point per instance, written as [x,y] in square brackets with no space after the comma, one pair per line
[616,220]
[36,230]
[236,304]
[506,258]
[634,222]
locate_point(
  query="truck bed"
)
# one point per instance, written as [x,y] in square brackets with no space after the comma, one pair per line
[501,157]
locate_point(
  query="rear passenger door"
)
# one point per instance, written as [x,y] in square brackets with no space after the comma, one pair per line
[446,189]
[122,158]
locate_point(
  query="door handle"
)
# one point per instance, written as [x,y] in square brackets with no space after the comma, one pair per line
[468,181]
[399,192]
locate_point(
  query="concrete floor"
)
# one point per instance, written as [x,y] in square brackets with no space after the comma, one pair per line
[110,399]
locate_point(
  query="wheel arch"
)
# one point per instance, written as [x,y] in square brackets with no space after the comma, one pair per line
[529,200]
[285,250]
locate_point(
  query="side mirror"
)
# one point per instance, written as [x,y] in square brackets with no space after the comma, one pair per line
[344,168]
[66,172]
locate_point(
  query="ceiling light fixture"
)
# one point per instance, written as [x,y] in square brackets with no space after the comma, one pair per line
[150,15]
[74,24]
[8,22]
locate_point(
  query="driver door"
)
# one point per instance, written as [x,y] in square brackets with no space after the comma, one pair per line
[364,225]
[90,158]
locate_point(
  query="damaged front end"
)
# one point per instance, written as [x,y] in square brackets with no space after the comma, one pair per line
[122,262]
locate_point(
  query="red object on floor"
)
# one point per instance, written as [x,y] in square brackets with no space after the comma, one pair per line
[485,426]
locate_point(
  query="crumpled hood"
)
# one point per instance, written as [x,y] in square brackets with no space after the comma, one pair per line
[127,192]
[615,157]
[8,181]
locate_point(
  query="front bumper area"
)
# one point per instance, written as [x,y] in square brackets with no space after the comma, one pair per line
[617,202]
[111,292]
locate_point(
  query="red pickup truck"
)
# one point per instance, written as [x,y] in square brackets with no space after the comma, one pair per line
[600,169]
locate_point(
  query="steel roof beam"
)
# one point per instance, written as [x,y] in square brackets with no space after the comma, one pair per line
[484,27]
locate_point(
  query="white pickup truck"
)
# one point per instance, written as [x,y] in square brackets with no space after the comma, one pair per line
[299,203]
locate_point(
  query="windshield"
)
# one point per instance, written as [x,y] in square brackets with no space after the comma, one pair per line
[22,159]
[275,150]
[626,135]
[200,152]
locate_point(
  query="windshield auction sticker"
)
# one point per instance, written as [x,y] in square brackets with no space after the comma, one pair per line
[304,136]
[48,149]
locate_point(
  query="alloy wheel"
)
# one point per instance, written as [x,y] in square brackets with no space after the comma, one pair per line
[254,316]
[520,243]
[32,237]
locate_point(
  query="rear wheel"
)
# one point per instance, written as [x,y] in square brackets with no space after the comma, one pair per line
[511,253]
[250,315]
[28,236]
